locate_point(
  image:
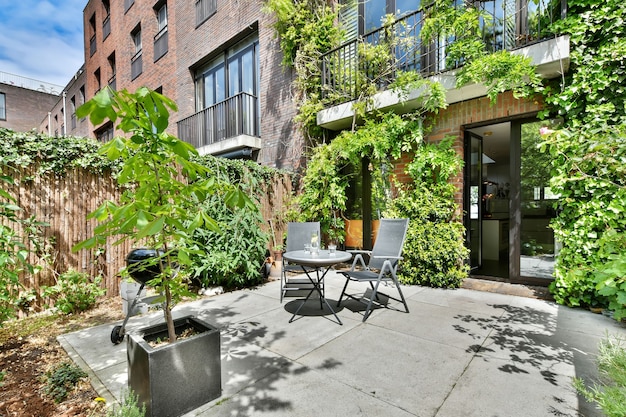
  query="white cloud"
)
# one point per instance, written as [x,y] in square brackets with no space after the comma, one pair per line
[42,39]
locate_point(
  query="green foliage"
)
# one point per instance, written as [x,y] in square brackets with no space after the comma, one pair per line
[594,89]
[609,393]
[61,380]
[590,176]
[217,258]
[74,292]
[323,195]
[434,251]
[165,187]
[52,154]
[589,156]
[610,277]
[129,406]
[14,250]
[307,30]
[499,71]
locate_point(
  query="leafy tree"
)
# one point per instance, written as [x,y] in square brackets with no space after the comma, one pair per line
[164,187]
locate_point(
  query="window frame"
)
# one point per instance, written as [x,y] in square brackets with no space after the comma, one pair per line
[3,106]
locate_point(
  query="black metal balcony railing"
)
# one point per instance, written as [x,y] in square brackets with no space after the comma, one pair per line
[136,65]
[510,26]
[160,44]
[106,27]
[237,115]
[204,10]
[92,45]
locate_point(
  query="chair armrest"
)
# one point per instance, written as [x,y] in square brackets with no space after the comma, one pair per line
[362,251]
[399,258]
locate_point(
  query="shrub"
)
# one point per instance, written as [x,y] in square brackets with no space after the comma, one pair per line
[62,379]
[232,257]
[128,407]
[74,292]
[434,251]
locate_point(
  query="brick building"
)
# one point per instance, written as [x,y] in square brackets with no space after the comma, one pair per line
[219,61]
[61,120]
[24,102]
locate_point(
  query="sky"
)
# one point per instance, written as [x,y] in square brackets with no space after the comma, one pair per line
[42,40]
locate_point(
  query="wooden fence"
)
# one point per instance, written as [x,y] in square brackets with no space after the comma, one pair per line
[64,203]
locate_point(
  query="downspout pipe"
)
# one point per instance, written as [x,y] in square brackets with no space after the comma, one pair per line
[64,115]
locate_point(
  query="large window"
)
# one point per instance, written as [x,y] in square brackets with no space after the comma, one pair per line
[3,106]
[227,102]
[360,17]
[233,72]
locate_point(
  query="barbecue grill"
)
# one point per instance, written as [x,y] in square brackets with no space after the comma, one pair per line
[142,266]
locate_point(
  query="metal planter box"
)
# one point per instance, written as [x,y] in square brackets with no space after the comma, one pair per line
[175,378]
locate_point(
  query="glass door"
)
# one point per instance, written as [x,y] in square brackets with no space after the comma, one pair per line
[537,246]
[474,209]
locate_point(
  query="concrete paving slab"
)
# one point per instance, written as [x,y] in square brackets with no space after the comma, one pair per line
[300,391]
[405,371]
[497,387]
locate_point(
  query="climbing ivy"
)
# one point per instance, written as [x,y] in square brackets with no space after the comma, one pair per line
[51,153]
[589,156]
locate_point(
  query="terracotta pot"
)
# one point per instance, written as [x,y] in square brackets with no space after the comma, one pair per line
[354,233]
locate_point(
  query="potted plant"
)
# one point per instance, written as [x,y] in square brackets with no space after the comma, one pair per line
[159,209]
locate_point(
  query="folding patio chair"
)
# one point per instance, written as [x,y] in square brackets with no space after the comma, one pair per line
[382,265]
[298,233]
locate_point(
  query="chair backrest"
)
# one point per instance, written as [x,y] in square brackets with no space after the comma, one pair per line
[299,233]
[389,240]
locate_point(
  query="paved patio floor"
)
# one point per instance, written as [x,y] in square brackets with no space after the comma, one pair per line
[457,353]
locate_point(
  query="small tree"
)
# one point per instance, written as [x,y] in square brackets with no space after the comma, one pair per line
[160,206]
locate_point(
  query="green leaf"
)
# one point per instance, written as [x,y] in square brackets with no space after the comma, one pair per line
[152,228]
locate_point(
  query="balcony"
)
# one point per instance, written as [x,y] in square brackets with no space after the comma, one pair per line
[341,69]
[226,126]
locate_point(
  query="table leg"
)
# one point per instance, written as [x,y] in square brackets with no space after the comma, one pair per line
[316,287]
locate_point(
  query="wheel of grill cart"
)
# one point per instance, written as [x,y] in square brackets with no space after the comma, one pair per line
[117,335]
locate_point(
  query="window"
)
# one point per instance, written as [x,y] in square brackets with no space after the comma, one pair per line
[128,4]
[136,63]
[204,10]
[113,70]
[98,80]
[371,13]
[73,114]
[105,133]
[106,23]
[160,40]
[3,106]
[92,30]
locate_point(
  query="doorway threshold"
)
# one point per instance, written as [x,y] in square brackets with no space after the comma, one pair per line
[502,287]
